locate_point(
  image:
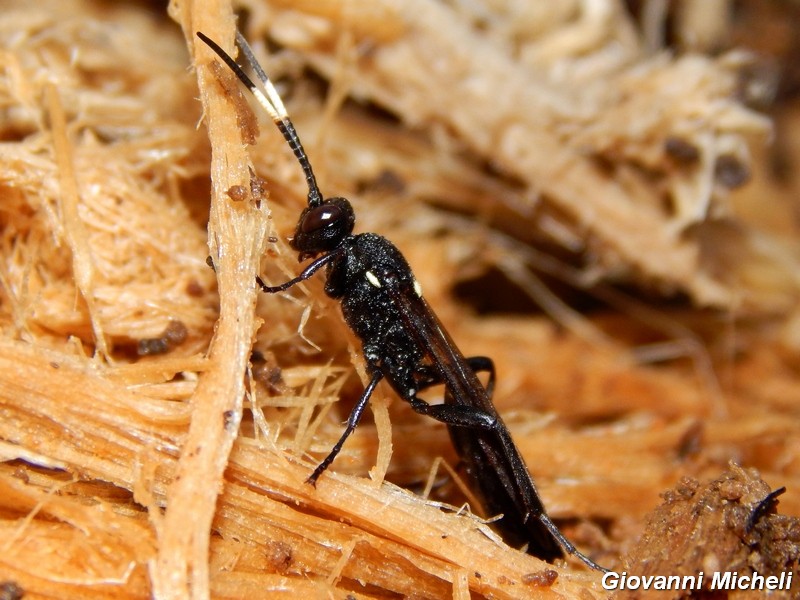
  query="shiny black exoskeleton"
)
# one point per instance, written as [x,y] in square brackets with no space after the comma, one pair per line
[404,343]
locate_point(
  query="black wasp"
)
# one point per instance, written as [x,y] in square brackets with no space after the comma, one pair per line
[404,342]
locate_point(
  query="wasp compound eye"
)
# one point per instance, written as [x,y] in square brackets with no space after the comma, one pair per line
[322,228]
[322,217]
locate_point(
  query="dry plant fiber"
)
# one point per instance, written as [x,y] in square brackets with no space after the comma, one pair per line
[158,419]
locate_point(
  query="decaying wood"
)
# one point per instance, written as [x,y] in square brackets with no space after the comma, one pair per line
[699,531]
[567,193]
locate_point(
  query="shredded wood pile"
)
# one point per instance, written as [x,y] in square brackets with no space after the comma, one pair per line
[571,196]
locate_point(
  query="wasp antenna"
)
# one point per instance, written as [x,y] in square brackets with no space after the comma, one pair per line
[272,103]
[273,95]
[243,77]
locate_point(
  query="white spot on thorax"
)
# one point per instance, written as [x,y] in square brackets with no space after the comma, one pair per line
[418,288]
[374,281]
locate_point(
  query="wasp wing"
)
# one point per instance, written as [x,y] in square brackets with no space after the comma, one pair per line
[489,456]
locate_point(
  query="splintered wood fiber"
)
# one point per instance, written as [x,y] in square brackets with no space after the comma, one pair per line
[602,216]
